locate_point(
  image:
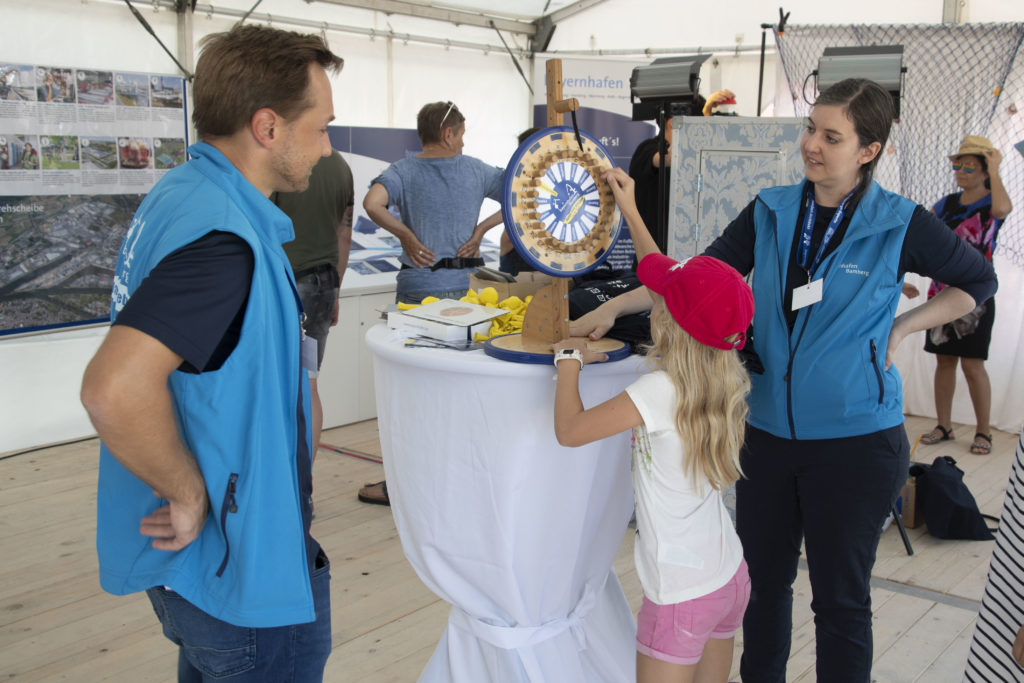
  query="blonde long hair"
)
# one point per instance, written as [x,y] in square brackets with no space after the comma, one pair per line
[712,387]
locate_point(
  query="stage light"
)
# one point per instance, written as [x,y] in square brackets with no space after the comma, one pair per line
[882,64]
[669,83]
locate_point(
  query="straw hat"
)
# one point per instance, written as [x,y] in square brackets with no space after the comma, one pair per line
[973,144]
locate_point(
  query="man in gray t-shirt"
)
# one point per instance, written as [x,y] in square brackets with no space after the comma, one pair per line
[438,193]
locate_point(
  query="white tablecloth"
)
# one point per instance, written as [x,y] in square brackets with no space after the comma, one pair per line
[516,532]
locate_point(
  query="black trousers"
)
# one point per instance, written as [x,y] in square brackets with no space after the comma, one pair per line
[834,495]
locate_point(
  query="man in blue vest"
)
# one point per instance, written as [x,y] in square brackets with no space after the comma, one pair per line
[198,392]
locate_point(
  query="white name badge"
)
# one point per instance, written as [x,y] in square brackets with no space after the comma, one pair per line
[807,295]
[308,352]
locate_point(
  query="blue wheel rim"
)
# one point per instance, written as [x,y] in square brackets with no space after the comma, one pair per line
[577,205]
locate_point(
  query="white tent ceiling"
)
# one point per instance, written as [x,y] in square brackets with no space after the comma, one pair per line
[531,21]
[521,27]
[530,9]
[459,10]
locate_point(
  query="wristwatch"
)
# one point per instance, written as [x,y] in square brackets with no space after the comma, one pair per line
[564,354]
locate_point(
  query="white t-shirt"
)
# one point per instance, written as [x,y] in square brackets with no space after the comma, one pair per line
[686,545]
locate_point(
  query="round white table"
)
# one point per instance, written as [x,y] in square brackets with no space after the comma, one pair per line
[516,532]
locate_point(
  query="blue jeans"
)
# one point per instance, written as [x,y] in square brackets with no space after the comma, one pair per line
[834,495]
[213,650]
[318,291]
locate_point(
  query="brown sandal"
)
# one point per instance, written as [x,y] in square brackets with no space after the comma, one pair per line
[375,494]
[979,447]
[930,438]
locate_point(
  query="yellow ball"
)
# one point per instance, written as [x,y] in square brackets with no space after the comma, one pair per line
[488,295]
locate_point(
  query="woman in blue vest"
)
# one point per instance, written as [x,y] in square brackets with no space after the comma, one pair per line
[826,452]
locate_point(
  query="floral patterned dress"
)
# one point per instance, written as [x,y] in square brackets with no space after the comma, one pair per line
[969,336]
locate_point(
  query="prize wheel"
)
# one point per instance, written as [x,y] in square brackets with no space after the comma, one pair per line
[562,215]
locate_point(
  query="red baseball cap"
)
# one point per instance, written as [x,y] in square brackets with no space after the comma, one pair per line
[707,297]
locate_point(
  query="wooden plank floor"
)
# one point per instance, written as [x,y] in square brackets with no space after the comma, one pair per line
[57,625]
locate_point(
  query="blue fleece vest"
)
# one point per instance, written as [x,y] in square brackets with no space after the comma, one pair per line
[828,379]
[248,566]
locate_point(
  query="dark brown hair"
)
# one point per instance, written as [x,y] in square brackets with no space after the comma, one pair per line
[434,115]
[525,135]
[869,106]
[252,67]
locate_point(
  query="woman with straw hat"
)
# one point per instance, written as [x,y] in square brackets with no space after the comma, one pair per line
[974,214]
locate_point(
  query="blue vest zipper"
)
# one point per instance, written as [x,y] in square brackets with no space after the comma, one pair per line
[227,506]
[878,373]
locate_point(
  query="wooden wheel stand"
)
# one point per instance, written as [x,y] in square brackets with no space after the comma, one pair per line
[547,317]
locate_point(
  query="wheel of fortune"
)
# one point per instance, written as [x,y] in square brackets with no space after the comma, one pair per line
[562,214]
[563,221]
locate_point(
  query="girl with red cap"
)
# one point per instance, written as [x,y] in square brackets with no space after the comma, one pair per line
[687,418]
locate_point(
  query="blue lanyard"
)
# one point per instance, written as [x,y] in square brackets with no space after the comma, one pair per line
[811,211]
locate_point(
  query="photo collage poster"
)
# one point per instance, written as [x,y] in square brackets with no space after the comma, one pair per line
[79,149]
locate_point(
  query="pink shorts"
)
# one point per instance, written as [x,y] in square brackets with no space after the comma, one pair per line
[677,633]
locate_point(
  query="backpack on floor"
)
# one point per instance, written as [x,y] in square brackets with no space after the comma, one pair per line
[950,510]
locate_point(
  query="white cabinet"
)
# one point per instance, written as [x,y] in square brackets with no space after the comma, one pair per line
[346,377]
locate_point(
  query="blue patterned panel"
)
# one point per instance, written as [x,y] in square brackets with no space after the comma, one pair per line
[719,164]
